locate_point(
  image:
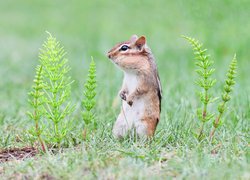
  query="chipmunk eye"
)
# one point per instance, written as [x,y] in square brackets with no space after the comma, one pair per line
[124,48]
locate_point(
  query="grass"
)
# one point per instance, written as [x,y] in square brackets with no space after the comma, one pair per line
[91,28]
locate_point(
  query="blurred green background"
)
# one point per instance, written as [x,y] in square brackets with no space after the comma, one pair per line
[91,28]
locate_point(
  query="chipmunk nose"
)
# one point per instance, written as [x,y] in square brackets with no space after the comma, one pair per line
[109,55]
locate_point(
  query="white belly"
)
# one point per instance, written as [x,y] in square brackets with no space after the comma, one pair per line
[130,79]
[133,114]
[130,118]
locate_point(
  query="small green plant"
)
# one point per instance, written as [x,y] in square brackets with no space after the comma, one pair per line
[229,82]
[57,89]
[36,100]
[50,96]
[89,101]
[204,80]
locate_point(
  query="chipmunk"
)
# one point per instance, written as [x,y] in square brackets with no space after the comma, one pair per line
[141,89]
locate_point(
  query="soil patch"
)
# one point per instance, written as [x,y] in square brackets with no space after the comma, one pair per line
[17,154]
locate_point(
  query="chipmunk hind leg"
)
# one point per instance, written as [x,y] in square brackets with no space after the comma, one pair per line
[146,127]
[121,127]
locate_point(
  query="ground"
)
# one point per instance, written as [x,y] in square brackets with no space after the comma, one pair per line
[91,28]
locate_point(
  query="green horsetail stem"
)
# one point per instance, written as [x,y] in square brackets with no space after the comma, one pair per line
[225,97]
[204,81]
[89,101]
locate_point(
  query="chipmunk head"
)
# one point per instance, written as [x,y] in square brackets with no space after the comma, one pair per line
[129,54]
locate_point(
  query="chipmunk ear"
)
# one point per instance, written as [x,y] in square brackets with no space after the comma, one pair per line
[140,42]
[133,38]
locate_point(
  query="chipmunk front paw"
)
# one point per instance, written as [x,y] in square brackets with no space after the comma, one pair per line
[130,103]
[123,95]
[130,100]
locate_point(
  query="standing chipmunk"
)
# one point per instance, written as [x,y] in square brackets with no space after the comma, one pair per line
[141,88]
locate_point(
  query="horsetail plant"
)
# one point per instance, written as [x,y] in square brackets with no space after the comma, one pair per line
[229,82]
[89,101]
[36,100]
[57,88]
[204,80]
